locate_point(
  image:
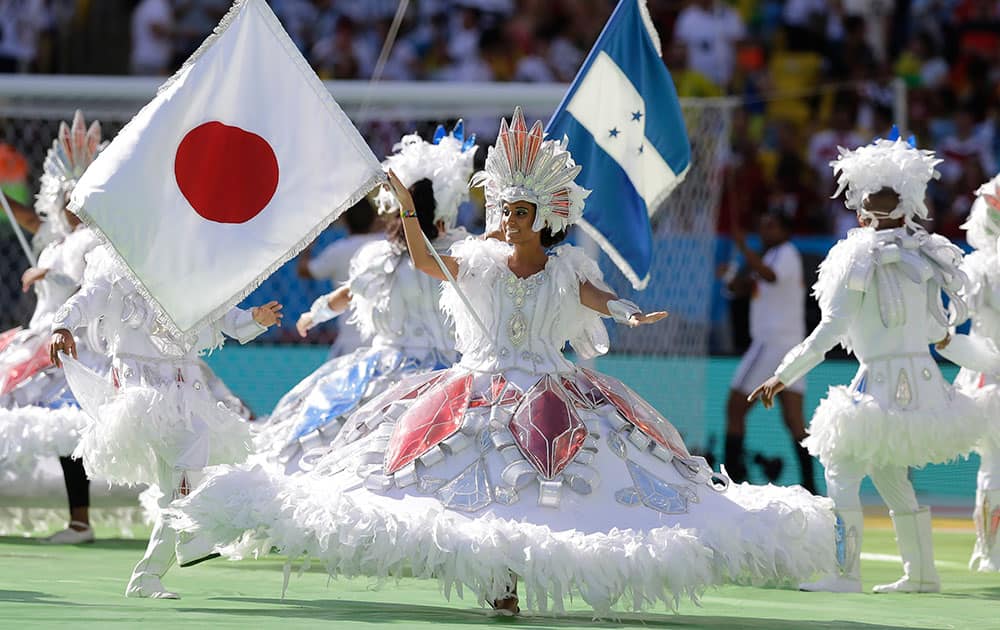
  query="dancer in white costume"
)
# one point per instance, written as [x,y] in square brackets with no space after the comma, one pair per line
[39,418]
[515,461]
[880,292]
[982,293]
[154,419]
[395,306]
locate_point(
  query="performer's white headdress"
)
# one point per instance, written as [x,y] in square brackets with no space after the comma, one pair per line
[886,163]
[73,150]
[983,226]
[446,162]
[523,166]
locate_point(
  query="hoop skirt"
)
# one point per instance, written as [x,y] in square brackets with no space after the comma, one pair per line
[517,461]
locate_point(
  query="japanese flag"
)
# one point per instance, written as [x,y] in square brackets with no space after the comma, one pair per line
[240,161]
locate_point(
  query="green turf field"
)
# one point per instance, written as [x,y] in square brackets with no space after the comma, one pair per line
[80,587]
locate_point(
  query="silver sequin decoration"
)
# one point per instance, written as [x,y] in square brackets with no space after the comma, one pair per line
[470,491]
[505,495]
[904,392]
[655,493]
[617,445]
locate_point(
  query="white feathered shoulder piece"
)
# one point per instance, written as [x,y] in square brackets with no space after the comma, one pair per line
[884,259]
[446,162]
[886,163]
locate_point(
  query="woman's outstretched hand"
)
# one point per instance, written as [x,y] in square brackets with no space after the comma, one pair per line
[267,315]
[767,391]
[640,319]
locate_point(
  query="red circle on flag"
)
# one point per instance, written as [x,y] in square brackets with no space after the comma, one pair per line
[227,174]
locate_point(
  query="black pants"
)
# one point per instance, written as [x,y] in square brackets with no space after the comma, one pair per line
[77,484]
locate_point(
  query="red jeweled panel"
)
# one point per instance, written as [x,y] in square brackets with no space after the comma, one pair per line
[17,374]
[547,429]
[584,393]
[637,411]
[7,337]
[434,417]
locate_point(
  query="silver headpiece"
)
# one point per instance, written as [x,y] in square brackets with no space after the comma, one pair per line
[73,150]
[524,166]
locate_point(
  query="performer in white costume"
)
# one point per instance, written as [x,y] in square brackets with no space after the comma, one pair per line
[154,420]
[395,306]
[39,418]
[982,293]
[333,263]
[515,463]
[880,293]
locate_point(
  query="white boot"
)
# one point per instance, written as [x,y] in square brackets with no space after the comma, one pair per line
[850,525]
[194,549]
[159,556]
[913,534]
[986,516]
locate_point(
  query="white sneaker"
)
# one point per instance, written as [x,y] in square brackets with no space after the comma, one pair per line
[148,585]
[833,584]
[905,585]
[70,536]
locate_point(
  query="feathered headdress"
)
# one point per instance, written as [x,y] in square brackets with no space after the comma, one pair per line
[886,163]
[446,162]
[983,226]
[524,166]
[73,150]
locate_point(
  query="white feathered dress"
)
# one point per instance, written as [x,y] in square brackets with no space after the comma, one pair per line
[397,309]
[40,419]
[516,460]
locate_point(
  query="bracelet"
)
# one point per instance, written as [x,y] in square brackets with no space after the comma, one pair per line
[407,214]
[622,310]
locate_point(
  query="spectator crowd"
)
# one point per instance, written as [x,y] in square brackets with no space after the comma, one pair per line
[810,75]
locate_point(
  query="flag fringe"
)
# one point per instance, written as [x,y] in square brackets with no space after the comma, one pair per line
[647,19]
[188,336]
[615,256]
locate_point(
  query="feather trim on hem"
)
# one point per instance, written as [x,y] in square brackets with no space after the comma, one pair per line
[27,433]
[787,537]
[850,426]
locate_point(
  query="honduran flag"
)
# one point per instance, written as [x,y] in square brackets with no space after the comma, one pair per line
[241,159]
[625,128]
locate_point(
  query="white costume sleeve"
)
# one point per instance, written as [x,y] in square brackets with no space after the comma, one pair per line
[85,306]
[240,325]
[321,311]
[840,311]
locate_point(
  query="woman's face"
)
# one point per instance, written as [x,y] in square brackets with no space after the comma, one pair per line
[516,221]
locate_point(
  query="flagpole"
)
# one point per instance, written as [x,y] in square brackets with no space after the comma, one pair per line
[383,57]
[454,284]
[17,230]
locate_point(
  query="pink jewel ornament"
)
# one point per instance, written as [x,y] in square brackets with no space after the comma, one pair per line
[547,429]
[584,393]
[638,412]
[435,416]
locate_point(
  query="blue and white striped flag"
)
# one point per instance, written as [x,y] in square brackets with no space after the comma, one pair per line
[625,128]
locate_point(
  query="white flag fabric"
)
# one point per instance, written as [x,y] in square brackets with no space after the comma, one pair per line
[240,161]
